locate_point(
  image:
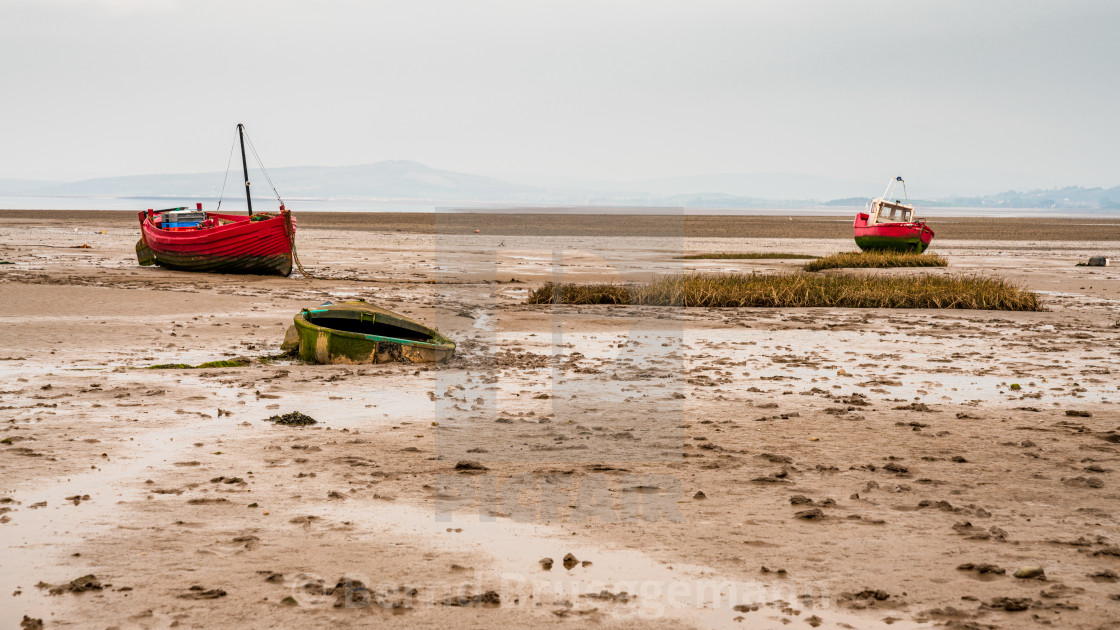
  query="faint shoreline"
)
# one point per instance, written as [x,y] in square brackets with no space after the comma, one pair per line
[601,224]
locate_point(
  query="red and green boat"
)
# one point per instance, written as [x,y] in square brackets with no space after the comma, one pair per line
[193,240]
[891,226]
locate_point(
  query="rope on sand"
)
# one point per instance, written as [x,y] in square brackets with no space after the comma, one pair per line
[290,229]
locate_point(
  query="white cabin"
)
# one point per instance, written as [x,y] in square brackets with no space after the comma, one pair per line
[883,211]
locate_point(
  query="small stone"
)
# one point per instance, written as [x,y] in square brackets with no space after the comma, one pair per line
[1011,604]
[982,568]
[1030,573]
[814,514]
[467,464]
[546,564]
[79,585]
[570,562]
[699,495]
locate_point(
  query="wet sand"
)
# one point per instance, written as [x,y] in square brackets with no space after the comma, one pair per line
[811,467]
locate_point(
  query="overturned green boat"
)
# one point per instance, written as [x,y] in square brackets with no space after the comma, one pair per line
[356,332]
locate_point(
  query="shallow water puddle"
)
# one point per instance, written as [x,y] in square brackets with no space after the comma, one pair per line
[35,537]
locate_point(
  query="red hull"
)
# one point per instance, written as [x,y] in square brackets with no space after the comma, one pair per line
[240,246]
[909,236]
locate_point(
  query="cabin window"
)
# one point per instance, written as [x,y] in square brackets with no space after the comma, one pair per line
[893,214]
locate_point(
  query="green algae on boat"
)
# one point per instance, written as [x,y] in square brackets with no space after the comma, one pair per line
[356,332]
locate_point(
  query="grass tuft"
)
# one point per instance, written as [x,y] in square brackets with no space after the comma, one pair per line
[208,364]
[800,290]
[294,419]
[747,256]
[876,260]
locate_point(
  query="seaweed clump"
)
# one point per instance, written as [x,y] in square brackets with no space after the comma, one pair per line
[238,362]
[294,419]
[748,256]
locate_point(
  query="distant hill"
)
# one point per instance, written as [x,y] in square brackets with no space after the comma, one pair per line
[1070,197]
[406,180]
[391,179]
[22,186]
[1073,197]
[756,186]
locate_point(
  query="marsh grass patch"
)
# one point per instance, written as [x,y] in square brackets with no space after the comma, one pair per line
[801,290]
[747,256]
[876,260]
[240,362]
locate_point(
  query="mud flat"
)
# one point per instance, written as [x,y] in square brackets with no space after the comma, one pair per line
[706,467]
[668,223]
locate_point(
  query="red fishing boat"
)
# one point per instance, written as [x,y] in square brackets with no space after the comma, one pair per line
[884,225]
[193,240]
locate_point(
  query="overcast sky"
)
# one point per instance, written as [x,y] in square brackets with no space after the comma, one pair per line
[1024,90]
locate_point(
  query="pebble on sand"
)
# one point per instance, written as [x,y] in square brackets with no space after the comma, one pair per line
[570,562]
[1030,573]
[814,514]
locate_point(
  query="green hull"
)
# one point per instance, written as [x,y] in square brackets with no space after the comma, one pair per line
[888,243]
[144,254]
[356,332]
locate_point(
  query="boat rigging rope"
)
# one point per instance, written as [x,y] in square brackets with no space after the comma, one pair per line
[263,169]
[290,229]
[226,178]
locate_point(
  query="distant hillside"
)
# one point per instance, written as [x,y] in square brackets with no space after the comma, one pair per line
[1070,197]
[392,179]
[21,186]
[401,180]
[757,185]
[1073,197]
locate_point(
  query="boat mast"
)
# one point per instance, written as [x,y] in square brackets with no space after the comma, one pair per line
[245,167]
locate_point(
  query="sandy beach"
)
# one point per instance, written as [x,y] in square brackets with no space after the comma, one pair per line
[729,468]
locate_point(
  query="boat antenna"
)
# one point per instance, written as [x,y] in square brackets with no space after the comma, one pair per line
[890,186]
[245,167]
